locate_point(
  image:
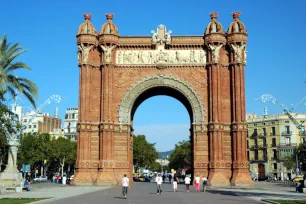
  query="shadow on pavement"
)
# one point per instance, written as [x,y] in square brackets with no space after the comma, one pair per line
[256,194]
[120,198]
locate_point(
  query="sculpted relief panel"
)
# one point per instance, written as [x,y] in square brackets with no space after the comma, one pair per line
[161,56]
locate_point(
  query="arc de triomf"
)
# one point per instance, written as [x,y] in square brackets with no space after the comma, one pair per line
[205,73]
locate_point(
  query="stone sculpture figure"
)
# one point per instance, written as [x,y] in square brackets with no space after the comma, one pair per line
[85,49]
[238,51]
[215,52]
[202,56]
[119,58]
[107,52]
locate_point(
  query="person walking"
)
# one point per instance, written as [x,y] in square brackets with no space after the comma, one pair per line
[170,177]
[175,181]
[187,183]
[197,182]
[204,179]
[125,186]
[159,181]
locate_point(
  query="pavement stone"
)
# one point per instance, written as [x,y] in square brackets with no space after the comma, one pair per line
[54,191]
[145,193]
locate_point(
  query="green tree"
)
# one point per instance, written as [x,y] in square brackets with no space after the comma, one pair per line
[289,162]
[144,153]
[36,150]
[9,83]
[181,156]
[64,152]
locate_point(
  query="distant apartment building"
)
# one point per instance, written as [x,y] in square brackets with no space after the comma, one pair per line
[41,123]
[70,123]
[270,139]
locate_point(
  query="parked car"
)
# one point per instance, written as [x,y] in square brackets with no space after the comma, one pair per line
[41,179]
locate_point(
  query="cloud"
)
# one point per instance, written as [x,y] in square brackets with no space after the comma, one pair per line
[165,136]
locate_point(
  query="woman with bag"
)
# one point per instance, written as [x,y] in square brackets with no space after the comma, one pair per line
[197,182]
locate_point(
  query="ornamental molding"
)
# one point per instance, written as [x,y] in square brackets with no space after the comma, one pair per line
[161,80]
[161,56]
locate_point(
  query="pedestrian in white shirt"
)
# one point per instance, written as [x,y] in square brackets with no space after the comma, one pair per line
[125,185]
[159,181]
[187,182]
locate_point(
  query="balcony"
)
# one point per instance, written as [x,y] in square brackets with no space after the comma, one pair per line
[286,133]
[273,145]
[260,146]
[302,133]
[258,160]
[275,159]
[253,136]
[262,135]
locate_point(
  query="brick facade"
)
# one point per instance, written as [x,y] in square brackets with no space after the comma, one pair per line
[212,90]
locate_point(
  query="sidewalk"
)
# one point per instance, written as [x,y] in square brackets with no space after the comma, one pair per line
[262,190]
[54,191]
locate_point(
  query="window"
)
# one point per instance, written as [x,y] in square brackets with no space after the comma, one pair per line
[287,129]
[275,166]
[30,126]
[273,131]
[287,121]
[25,120]
[273,142]
[264,131]
[34,126]
[255,131]
[73,116]
[256,155]
[287,140]
[66,116]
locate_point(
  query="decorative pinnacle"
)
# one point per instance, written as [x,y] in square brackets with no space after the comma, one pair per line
[87,16]
[213,15]
[109,16]
[236,14]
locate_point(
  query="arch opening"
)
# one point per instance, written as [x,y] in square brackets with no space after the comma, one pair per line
[161,85]
[162,91]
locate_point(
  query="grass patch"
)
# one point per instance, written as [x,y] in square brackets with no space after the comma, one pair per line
[290,201]
[19,200]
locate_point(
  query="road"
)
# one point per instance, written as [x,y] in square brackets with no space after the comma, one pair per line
[145,193]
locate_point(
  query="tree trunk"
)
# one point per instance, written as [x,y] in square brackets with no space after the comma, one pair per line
[62,163]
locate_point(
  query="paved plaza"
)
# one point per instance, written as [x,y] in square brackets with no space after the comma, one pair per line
[55,191]
[146,193]
[141,193]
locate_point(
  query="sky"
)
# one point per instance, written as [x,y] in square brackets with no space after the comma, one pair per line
[276,50]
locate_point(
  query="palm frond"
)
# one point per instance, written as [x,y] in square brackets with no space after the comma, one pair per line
[17,65]
[30,98]
[10,83]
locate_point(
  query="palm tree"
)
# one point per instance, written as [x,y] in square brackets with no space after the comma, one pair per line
[10,83]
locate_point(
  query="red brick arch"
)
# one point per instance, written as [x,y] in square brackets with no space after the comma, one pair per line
[206,73]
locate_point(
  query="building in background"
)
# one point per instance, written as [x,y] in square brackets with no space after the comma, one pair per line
[270,139]
[41,123]
[70,123]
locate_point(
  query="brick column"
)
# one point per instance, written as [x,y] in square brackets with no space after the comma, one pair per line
[241,175]
[216,163]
